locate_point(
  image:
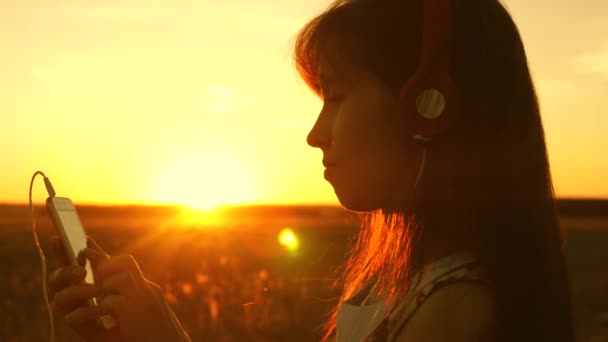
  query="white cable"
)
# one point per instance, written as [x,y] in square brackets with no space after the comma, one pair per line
[42,260]
[422,165]
[177,326]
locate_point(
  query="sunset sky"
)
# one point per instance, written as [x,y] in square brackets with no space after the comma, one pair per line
[196,102]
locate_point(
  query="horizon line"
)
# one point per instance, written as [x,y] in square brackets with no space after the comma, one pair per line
[244,204]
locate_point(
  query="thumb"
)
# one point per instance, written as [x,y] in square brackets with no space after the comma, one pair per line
[93,244]
[94,256]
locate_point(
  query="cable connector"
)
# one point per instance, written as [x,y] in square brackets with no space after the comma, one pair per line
[49,187]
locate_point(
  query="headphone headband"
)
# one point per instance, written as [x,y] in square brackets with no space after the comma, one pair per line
[428,98]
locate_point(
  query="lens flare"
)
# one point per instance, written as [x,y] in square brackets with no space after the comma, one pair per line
[289,239]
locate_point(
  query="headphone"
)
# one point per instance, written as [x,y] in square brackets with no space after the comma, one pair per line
[428,99]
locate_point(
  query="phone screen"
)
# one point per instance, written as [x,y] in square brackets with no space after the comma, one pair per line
[66,218]
[74,231]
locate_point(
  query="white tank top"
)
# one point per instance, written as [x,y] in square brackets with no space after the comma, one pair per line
[369,322]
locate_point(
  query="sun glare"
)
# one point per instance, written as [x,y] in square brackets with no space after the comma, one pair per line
[200,218]
[205,180]
[289,239]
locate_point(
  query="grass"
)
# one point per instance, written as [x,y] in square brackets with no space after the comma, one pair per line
[235,280]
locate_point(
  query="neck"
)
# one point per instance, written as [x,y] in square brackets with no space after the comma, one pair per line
[447,231]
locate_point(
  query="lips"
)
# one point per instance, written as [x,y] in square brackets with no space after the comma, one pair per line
[329,169]
[328,173]
[327,163]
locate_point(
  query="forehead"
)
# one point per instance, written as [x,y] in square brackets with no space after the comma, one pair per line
[331,71]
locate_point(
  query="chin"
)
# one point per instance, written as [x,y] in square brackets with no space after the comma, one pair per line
[359,205]
[368,202]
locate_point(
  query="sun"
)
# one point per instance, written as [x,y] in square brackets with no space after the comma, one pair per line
[204,180]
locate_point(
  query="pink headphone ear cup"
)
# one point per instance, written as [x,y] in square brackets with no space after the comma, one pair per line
[429,104]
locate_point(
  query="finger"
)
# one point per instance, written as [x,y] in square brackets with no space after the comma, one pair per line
[112,303]
[59,250]
[81,259]
[94,256]
[63,277]
[118,264]
[84,315]
[120,283]
[94,245]
[69,298]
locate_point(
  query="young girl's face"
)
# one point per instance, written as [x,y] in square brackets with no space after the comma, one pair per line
[361,134]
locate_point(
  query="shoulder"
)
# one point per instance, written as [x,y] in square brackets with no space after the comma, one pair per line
[458,312]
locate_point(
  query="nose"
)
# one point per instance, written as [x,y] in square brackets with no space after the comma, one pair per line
[319,136]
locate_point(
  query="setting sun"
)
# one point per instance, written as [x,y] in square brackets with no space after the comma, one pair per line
[200,218]
[141,103]
[205,180]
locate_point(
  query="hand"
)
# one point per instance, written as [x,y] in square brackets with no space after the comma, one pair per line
[68,294]
[137,304]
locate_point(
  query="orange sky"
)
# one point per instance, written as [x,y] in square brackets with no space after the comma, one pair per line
[196,102]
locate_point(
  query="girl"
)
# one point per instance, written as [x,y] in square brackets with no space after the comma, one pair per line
[460,238]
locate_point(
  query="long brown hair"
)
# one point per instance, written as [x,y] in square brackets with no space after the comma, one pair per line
[498,167]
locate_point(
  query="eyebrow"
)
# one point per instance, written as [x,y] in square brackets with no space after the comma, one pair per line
[324,79]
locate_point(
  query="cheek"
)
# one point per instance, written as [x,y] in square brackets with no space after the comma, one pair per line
[372,155]
[358,131]
[367,184]
[377,175]
[377,178]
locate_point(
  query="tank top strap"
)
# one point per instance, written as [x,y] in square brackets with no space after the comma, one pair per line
[445,272]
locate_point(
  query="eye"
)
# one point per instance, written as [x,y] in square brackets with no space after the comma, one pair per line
[332,96]
[330,93]
[333,99]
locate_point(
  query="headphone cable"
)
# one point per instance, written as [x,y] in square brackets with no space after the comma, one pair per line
[51,192]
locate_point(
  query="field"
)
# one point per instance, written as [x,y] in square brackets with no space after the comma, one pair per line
[228,278]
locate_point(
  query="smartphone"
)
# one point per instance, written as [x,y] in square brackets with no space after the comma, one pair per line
[74,239]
